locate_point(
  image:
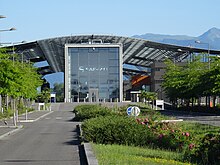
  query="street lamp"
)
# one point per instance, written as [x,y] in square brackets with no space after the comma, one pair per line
[13,47]
[2,16]
[185,52]
[26,59]
[11,29]
[206,43]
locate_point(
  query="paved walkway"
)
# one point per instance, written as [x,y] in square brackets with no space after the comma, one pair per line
[7,126]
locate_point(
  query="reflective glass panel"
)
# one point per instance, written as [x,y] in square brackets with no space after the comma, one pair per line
[94,73]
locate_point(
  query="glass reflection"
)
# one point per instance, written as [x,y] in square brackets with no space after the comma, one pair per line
[94,74]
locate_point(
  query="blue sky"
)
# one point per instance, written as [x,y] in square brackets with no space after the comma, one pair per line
[41,19]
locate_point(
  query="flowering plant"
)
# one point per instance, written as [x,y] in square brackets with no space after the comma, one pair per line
[166,135]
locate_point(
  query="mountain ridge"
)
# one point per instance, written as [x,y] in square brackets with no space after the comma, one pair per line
[210,38]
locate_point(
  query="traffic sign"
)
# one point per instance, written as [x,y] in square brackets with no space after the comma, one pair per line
[133,111]
[129,111]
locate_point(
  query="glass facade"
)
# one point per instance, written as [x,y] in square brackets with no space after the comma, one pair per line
[94,74]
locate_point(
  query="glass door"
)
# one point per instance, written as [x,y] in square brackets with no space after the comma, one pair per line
[93,94]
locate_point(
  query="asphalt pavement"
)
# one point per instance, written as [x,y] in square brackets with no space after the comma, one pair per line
[203,118]
[45,138]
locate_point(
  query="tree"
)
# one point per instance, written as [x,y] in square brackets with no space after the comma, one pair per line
[184,82]
[59,90]
[17,79]
[44,96]
[173,81]
[211,79]
[149,96]
[192,72]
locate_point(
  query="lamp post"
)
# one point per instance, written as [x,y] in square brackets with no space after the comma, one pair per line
[206,43]
[5,30]
[186,52]
[2,16]
[13,47]
[11,29]
[208,51]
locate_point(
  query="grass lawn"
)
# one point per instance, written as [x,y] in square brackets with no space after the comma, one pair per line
[125,155]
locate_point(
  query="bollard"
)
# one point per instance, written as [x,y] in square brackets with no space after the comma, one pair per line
[26,115]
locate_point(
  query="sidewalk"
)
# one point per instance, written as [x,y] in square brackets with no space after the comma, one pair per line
[7,127]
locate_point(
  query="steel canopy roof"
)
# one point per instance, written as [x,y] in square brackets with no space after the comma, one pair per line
[137,52]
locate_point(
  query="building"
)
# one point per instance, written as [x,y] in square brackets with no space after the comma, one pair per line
[95,66]
[93,73]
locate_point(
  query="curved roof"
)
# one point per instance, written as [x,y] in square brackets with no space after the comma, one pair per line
[136,52]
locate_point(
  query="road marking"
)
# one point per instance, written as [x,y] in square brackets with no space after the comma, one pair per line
[58,118]
[8,126]
[26,121]
[43,116]
[47,118]
[19,127]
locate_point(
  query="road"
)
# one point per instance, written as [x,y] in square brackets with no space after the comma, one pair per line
[52,140]
[193,116]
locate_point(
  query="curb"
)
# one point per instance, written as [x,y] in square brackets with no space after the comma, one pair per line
[12,132]
[90,157]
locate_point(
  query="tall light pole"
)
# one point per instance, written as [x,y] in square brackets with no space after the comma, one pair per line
[2,16]
[13,47]
[206,43]
[5,30]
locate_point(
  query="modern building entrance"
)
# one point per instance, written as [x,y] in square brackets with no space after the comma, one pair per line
[93,72]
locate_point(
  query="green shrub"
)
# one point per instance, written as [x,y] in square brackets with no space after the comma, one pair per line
[142,132]
[83,112]
[116,130]
[207,151]
[6,114]
[167,135]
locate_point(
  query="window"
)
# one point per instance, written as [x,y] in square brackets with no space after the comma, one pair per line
[96,67]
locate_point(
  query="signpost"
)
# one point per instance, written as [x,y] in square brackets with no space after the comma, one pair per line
[133,111]
[160,103]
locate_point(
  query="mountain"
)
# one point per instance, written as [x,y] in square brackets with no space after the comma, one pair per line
[162,38]
[212,37]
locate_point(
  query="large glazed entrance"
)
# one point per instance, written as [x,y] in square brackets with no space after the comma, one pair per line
[93,73]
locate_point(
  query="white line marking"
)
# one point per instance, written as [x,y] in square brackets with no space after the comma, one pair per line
[43,116]
[11,132]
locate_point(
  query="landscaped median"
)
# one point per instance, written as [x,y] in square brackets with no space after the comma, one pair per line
[116,135]
[121,154]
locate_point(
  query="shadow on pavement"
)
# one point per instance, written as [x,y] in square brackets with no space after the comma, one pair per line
[76,142]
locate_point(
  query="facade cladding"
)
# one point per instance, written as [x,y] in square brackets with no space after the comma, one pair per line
[93,73]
